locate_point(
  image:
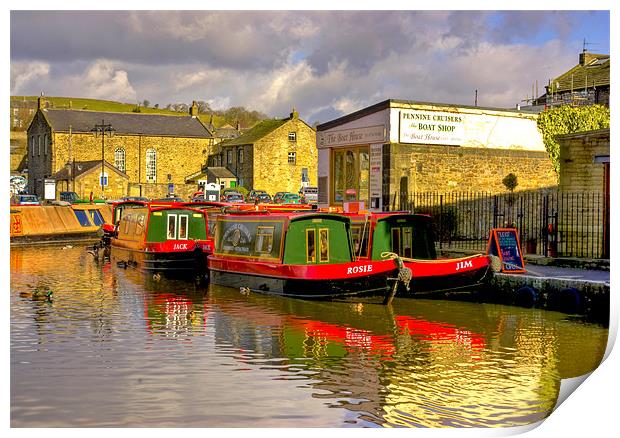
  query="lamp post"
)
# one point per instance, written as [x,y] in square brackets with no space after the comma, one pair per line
[102,129]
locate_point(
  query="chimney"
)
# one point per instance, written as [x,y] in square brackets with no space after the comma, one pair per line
[40,101]
[193,110]
[585,58]
[294,114]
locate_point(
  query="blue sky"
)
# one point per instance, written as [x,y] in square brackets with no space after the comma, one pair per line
[323,63]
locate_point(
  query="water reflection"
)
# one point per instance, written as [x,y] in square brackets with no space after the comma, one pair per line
[118,347]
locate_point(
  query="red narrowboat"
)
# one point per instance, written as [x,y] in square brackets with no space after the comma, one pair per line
[411,238]
[295,254]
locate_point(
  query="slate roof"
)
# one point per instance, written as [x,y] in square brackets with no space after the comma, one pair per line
[127,123]
[82,167]
[255,133]
[595,72]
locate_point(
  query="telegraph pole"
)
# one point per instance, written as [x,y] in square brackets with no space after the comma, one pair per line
[104,130]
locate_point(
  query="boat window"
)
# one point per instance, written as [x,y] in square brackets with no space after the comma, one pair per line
[140,224]
[396,240]
[310,246]
[96,217]
[264,240]
[172,226]
[407,246]
[127,220]
[360,248]
[324,241]
[183,227]
[82,218]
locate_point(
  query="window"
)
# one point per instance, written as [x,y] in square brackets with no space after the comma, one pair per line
[407,242]
[103,179]
[32,145]
[172,226]
[310,245]
[324,245]
[96,217]
[119,159]
[360,244]
[351,174]
[183,226]
[229,156]
[45,144]
[264,240]
[292,136]
[127,219]
[396,240]
[292,157]
[82,218]
[151,165]
[240,156]
[140,224]
[39,141]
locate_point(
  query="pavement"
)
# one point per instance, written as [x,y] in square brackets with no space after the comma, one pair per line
[567,273]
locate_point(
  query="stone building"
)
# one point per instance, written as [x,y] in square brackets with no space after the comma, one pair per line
[584,170]
[274,155]
[384,153]
[155,151]
[83,177]
[587,83]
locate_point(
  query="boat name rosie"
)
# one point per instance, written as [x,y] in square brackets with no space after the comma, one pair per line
[358,269]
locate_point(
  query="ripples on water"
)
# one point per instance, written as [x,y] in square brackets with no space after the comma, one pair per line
[116,348]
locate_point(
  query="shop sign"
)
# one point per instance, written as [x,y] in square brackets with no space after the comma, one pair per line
[432,127]
[371,134]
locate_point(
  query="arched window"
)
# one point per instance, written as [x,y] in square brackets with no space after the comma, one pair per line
[119,159]
[151,165]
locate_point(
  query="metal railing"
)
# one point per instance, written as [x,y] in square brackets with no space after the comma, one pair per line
[550,223]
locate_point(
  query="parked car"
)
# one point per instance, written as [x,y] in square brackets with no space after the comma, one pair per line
[25,200]
[290,198]
[232,197]
[229,191]
[254,194]
[277,198]
[263,198]
[70,197]
[309,195]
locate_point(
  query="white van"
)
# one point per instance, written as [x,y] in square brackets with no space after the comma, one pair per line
[309,195]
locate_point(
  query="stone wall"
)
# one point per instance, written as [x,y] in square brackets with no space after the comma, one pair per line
[578,172]
[449,169]
[41,161]
[272,171]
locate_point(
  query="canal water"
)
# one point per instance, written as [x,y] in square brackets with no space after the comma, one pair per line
[115,347]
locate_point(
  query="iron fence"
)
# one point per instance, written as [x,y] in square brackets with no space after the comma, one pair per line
[550,223]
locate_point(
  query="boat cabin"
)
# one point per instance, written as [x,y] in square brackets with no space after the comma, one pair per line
[287,238]
[408,235]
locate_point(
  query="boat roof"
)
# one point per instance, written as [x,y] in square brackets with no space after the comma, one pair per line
[287,215]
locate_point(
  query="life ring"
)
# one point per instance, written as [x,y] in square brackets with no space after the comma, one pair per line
[526,296]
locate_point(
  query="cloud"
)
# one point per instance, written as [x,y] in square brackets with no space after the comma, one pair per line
[323,63]
[105,81]
[25,73]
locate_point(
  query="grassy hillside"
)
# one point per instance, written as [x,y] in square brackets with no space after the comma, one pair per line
[112,106]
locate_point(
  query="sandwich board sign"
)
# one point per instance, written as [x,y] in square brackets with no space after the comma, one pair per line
[504,243]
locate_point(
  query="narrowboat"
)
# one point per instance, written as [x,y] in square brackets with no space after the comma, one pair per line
[171,239]
[410,237]
[295,254]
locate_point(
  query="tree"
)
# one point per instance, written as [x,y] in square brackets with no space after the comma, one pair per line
[146,103]
[568,119]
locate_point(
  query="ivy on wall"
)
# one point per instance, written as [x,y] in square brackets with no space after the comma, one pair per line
[568,119]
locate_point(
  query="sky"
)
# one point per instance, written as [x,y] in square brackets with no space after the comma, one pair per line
[323,63]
